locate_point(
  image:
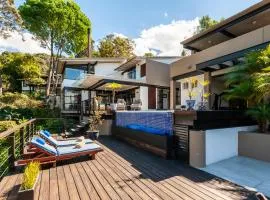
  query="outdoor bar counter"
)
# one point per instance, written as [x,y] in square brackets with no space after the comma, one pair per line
[149,130]
[212,135]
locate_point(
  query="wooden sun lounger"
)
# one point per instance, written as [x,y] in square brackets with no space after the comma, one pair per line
[35,153]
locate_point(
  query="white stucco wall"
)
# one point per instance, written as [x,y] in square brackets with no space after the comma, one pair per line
[222,144]
[106,69]
[144,97]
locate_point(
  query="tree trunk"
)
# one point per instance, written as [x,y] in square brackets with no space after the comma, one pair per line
[48,86]
[1,85]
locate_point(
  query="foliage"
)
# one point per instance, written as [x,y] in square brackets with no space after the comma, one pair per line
[4,125]
[206,22]
[95,121]
[30,175]
[148,55]
[18,101]
[190,90]
[10,19]
[115,46]
[261,113]
[60,25]
[250,79]
[15,67]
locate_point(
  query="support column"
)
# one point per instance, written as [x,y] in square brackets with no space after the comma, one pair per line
[172,94]
[207,89]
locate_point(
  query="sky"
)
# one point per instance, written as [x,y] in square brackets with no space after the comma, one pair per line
[156,26]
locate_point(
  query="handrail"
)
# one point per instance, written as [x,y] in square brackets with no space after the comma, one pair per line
[16,128]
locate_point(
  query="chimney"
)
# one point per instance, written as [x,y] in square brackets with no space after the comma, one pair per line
[89,48]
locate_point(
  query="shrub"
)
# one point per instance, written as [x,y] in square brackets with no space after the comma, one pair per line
[4,125]
[30,175]
[18,100]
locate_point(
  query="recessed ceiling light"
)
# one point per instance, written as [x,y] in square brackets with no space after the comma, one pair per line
[254,22]
[209,41]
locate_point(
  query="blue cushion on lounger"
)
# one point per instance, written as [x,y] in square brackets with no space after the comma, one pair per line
[73,149]
[47,133]
[41,141]
[38,142]
[135,126]
[60,143]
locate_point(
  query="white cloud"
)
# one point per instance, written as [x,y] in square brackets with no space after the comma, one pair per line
[16,43]
[165,39]
[166,15]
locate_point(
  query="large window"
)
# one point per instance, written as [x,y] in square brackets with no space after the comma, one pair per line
[132,73]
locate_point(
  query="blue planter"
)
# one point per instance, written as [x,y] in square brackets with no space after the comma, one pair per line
[190,104]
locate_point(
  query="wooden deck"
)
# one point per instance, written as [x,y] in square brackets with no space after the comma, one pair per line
[125,172]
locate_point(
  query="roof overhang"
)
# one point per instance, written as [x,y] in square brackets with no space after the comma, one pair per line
[93,82]
[130,63]
[222,62]
[76,62]
[254,17]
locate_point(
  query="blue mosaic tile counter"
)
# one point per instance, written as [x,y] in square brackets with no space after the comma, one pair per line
[152,122]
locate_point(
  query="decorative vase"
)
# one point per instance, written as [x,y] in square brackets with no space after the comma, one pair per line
[190,104]
[28,194]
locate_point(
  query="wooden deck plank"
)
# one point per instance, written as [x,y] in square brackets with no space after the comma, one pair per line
[114,184]
[62,185]
[99,188]
[158,190]
[140,188]
[160,186]
[79,184]
[44,193]
[109,189]
[13,195]
[133,190]
[87,183]
[72,189]
[54,192]
[7,188]
[188,189]
[38,186]
[122,172]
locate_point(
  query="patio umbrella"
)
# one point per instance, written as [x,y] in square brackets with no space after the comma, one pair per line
[114,87]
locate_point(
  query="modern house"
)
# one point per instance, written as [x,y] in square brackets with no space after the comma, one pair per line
[217,50]
[146,79]
[212,135]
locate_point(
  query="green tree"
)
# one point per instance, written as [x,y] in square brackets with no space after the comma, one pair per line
[115,46]
[17,66]
[250,82]
[148,55]
[10,19]
[206,22]
[60,25]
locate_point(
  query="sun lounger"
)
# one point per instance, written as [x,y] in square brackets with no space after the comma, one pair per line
[40,151]
[60,143]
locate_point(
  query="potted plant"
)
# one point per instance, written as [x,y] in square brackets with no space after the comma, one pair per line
[95,121]
[191,93]
[30,179]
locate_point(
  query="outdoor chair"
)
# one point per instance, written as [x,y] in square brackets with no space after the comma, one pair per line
[137,105]
[46,135]
[121,104]
[39,151]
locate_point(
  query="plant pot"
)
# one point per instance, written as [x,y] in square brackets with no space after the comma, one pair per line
[28,194]
[113,106]
[202,105]
[93,134]
[190,104]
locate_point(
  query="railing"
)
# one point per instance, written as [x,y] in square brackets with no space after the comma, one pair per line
[12,145]
[13,140]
